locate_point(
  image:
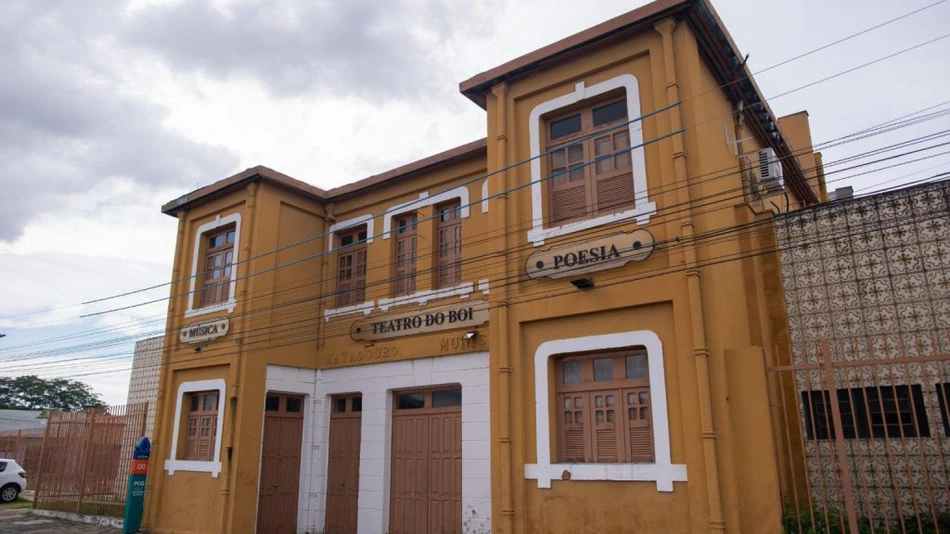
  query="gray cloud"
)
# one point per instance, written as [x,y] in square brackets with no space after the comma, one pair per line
[64,126]
[361,47]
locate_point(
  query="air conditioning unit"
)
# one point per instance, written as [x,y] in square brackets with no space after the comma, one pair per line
[770,171]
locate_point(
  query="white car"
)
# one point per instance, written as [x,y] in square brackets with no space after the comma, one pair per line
[12,480]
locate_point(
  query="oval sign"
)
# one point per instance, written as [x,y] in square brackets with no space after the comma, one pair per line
[590,256]
[199,332]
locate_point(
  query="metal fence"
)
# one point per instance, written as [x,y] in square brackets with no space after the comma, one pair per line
[24,446]
[863,432]
[84,462]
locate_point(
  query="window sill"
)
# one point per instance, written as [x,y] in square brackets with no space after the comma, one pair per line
[423,297]
[365,308]
[228,305]
[641,213]
[663,475]
[192,465]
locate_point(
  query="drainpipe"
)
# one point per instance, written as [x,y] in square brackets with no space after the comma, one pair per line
[237,359]
[173,324]
[326,283]
[499,346]
[694,289]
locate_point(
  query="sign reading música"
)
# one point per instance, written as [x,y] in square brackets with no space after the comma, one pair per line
[462,315]
[198,332]
[598,254]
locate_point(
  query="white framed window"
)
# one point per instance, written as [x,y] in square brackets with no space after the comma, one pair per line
[459,193]
[642,208]
[212,287]
[187,391]
[350,224]
[661,470]
[364,228]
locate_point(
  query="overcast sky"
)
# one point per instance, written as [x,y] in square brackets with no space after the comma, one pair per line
[108,109]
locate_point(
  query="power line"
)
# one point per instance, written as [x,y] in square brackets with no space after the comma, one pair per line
[125,339]
[870,226]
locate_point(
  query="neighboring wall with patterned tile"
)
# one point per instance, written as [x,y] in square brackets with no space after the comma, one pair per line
[143,384]
[872,277]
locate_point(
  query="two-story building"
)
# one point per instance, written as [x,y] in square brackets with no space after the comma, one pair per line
[559,328]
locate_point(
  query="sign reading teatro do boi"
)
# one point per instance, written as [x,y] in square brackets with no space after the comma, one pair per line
[461,315]
[200,332]
[592,255]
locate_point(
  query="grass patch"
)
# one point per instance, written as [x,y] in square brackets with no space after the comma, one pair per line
[18,504]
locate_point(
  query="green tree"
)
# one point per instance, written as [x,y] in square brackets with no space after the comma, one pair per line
[30,392]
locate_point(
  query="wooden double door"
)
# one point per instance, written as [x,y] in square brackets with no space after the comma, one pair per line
[426,478]
[280,464]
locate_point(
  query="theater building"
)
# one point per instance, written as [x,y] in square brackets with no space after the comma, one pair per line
[559,328]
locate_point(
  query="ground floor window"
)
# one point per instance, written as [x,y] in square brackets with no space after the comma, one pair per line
[196,432]
[878,412]
[603,400]
[604,417]
[201,425]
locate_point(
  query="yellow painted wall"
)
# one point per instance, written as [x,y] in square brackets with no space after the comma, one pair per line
[730,306]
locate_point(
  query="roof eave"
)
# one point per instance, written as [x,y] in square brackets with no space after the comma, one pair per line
[476,87]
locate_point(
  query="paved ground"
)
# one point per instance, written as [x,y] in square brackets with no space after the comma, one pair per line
[18,521]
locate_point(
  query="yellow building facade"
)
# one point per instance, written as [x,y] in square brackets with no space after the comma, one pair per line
[560,328]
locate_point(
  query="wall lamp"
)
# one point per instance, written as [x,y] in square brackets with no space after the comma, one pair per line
[468,336]
[583,283]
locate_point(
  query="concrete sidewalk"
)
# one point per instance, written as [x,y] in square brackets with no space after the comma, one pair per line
[22,521]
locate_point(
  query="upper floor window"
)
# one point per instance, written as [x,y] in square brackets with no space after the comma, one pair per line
[218,262]
[448,245]
[603,408]
[404,278]
[351,267]
[589,167]
[201,426]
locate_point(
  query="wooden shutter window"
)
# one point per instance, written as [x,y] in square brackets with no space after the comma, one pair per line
[405,276]
[218,261]
[568,183]
[351,268]
[604,413]
[449,245]
[573,437]
[587,175]
[639,425]
[201,426]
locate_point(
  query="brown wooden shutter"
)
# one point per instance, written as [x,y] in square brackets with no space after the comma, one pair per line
[191,438]
[206,431]
[613,180]
[405,275]
[359,277]
[608,445]
[201,426]
[569,191]
[216,278]
[573,437]
[449,246]
[639,424]
[351,269]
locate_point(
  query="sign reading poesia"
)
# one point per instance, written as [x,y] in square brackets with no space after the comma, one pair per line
[198,332]
[466,314]
[589,256]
